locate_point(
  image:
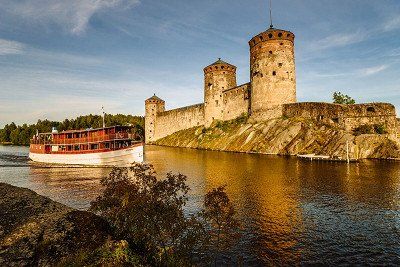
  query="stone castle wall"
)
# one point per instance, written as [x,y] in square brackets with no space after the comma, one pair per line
[398,128]
[171,121]
[236,101]
[347,117]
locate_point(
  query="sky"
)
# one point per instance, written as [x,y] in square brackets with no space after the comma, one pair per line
[61,59]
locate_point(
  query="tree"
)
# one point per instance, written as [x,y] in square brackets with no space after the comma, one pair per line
[221,224]
[339,98]
[148,213]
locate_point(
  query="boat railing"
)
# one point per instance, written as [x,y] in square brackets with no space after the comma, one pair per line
[86,139]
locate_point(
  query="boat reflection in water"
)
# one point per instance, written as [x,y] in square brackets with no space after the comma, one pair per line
[293,212]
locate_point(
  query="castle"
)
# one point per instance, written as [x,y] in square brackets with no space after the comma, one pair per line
[270,94]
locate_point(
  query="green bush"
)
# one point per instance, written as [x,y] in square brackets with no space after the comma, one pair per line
[370,129]
[148,213]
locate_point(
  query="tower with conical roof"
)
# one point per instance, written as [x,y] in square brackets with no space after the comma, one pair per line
[218,77]
[153,105]
[272,72]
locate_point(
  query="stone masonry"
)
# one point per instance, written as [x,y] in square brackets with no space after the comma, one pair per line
[270,94]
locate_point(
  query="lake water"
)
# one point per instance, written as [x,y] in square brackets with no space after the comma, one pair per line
[294,212]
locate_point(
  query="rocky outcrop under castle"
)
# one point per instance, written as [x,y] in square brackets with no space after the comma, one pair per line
[36,231]
[284,137]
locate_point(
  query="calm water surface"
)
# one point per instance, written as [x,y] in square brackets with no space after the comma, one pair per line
[294,212]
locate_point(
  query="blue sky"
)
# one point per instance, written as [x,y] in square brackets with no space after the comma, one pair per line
[60,59]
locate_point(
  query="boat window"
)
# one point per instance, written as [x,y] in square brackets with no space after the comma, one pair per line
[94,146]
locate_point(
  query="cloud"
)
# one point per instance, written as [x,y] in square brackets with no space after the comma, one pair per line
[339,40]
[8,47]
[72,15]
[373,70]
[392,24]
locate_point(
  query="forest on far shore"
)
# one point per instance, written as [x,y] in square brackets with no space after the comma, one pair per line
[21,134]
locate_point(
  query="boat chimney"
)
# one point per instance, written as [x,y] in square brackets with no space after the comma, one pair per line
[104,123]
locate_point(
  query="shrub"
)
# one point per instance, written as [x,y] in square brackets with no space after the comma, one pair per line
[148,213]
[370,129]
[339,98]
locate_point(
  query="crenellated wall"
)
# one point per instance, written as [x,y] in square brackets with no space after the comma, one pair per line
[347,117]
[236,101]
[174,120]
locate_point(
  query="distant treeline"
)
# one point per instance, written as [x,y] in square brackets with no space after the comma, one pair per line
[21,134]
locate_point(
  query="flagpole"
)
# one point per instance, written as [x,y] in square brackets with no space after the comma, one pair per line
[270,14]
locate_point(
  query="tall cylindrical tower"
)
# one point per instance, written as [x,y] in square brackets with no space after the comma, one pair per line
[153,106]
[218,77]
[272,71]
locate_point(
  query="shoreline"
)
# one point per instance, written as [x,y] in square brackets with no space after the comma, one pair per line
[272,154]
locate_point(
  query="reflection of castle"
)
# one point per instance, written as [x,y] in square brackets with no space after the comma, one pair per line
[270,94]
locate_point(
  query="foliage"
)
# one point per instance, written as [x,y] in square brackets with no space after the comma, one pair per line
[221,224]
[339,98]
[20,135]
[112,253]
[149,214]
[242,118]
[370,129]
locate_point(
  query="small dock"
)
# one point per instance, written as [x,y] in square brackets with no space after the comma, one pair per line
[313,157]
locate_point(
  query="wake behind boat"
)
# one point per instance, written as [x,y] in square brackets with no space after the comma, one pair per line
[110,146]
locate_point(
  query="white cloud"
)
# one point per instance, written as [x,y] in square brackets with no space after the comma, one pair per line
[72,15]
[392,24]
[8,47]
[373,70]
[339,40]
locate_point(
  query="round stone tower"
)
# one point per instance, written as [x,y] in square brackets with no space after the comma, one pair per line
[153,106]
[272,72]
[218,77]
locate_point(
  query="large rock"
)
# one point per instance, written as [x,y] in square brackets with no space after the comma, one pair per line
[36,231]
[285,137]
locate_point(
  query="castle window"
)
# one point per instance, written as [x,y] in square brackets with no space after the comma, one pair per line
[270,52]
[288,35]
[216,103]
[335,120]
[274,73]
[281,43]
[261,38]
[280,64]
[371,109]
[320,117]
[280,34]
[222,67]
[270,35]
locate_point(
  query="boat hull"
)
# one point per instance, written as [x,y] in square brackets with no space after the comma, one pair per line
[120,158]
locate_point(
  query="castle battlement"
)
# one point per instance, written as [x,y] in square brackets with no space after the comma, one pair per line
[272,35]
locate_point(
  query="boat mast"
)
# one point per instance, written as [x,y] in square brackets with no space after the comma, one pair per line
[104,123]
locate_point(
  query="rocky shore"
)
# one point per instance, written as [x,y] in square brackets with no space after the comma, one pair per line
[36,231]
[285,137]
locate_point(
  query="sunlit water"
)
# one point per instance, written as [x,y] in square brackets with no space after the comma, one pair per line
[294,212]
